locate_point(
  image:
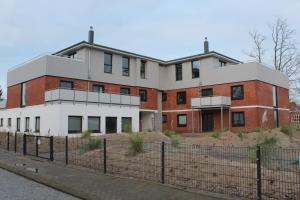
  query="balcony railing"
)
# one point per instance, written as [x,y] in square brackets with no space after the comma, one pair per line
[209,102]
[90,97]
[2,103]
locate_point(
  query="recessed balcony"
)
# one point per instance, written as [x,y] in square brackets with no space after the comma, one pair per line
[2,103]
[211,102]
[69,95]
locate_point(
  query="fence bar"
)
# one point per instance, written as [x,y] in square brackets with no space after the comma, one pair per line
[51,148]
[36,146]
[15,142]
[7,141]
[24,145]
[104,155]
[163,162]
[258,172]
[67,150]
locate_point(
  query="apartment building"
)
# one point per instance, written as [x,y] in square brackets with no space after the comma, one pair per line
[92,87]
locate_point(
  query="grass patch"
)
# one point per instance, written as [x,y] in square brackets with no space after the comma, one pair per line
[216,135]
[256,130]
[92,144]
[169,133]
[289,129]
[268,151]
[86,134]
[173,136]
[136,142]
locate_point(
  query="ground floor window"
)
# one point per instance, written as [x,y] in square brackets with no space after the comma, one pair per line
[164,119]
[9,122]
[238,119]
[1,122]
[18,124]
[94,124]
[27,122]
[276,121]
[37,124]
[111,124]
[126,124]
[181,120]
[75,124]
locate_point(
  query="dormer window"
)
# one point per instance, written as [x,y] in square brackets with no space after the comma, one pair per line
[222,63]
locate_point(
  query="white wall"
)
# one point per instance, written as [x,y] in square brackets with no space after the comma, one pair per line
[54,117]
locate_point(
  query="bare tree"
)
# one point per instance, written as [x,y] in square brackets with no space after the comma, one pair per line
[286,56]
[258,51]
[1,92]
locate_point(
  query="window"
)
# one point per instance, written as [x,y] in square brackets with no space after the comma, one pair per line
[143,95]
[195,68]
[37,124]
[164,96]
[178,72]
[222,63]
[126,124]
[143,69]
[23,94]
[66,84]
[72,55]
[94,124]
[207,92]
[107,63]
[27,122]
[18,124]
[164,119]
[238,119]
[125,91]
[125,66]
[181,97]
[237,92]
[274,93]
[181,120]
[98,88]
[74,124]
[1,122]
[276,121]
[9,122]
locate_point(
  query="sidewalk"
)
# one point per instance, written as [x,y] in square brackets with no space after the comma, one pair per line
[89,184]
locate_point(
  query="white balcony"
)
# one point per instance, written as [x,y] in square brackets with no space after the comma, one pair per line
[90,97]
[211,102]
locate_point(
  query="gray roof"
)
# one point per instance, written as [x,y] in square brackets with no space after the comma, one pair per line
[82,44]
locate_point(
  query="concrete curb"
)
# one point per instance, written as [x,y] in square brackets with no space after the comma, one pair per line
[50,183]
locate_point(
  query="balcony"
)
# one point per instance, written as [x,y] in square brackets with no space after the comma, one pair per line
[211,102]
[90,97]
[2,103]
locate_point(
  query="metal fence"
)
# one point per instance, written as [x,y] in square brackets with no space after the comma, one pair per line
[244,172]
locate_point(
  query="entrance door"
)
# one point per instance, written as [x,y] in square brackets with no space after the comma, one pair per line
[111,124]
[207,121]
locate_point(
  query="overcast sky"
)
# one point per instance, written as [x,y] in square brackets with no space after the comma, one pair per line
[163,29]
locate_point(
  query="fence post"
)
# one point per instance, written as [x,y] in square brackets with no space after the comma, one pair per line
[7,141]
[24,145]
[104,155]
[163,162]
[36,146]
[51,148]
[67,150]
[15,142]
[258,172]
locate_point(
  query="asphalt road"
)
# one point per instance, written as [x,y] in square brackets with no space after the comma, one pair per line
[14,187]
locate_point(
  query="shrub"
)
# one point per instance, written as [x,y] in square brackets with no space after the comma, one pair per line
[288,130]
[169,133]
[216,135]
[136,143]
[92,144]
[149,130]
[174,140]
[257,130]
[86,134]
[240,135]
